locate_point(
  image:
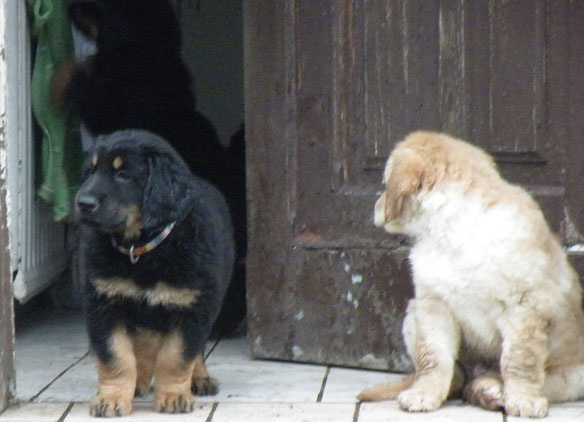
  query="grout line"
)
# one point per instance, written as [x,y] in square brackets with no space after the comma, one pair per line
[504,416]
[356,414]
[36,396]
[322,387]
[212,412]
[66,412]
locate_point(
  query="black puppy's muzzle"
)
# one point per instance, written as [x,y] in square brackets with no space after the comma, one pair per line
[87,204]
[89,199]
[88,209]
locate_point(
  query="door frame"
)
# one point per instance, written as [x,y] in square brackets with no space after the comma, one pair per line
[7,378]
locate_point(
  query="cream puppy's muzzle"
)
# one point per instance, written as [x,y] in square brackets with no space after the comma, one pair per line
[379,213]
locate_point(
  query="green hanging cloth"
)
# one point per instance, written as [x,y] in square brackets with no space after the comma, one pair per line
[61,155]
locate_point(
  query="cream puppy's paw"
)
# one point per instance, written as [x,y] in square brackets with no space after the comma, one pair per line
[526,406]
[485,391]
[420,399]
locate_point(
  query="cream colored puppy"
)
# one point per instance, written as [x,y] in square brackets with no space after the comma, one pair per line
[492,284]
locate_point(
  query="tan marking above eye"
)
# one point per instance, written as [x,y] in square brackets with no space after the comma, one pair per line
[118,162]
[94,160]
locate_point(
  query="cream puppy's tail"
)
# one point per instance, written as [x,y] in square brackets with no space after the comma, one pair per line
[388,391]
[391,390]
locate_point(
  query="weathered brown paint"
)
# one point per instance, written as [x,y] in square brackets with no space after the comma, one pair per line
[6,311]
[330,87]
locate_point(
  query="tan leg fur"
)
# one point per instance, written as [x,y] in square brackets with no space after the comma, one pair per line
[172,385]
[146,347]
[117,381]
[202,383]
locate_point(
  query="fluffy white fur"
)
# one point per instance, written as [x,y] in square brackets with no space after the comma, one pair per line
[492,284]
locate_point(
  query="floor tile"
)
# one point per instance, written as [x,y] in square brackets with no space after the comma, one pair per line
[266,381]
[232,349]
[46,348]
[250,390]
[49,322]
[143,412]
[284,412]
[34,412]
[245,380]
[450,412]
[78,384]
[561,413]
[343,385]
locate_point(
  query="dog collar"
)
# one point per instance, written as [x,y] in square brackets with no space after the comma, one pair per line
[134,252]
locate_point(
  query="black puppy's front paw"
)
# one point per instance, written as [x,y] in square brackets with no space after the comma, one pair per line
[104,405]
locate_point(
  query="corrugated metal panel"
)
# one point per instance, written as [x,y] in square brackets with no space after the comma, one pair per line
[37,243]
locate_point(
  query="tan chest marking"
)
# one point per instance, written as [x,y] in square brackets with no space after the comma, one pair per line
[160,294]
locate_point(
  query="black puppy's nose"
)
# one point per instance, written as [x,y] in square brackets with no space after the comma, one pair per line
[87,204]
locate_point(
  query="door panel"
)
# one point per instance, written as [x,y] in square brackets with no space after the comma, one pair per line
[347,80]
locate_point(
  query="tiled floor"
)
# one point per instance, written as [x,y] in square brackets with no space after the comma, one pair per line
[56,377]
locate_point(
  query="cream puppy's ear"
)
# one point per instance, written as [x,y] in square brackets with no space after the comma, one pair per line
[405,174]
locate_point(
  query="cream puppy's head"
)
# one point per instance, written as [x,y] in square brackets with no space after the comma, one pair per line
[404,179]
[420,164]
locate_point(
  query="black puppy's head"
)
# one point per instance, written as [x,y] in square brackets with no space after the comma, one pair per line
[135,183]
[115,24]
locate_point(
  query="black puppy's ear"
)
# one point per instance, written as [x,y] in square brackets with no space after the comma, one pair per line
[167,194]
[87,16]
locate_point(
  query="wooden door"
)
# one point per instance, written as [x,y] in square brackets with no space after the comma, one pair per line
[330,87]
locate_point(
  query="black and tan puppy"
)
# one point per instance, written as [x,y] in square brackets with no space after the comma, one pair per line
[138,79]
[159,253]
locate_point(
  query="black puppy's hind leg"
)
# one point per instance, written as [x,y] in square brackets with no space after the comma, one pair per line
[202,383]
[146,347]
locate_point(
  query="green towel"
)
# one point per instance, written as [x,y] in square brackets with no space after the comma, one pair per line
[61,155]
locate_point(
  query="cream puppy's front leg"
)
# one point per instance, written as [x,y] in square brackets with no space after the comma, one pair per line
[523,357]
[432,338]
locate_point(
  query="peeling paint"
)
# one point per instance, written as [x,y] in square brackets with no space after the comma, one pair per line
[373,362]
[354,302]
[298,316]
[347,268]
[356,278]
[573,235]
[400,360]
[7,377]
[297,351]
